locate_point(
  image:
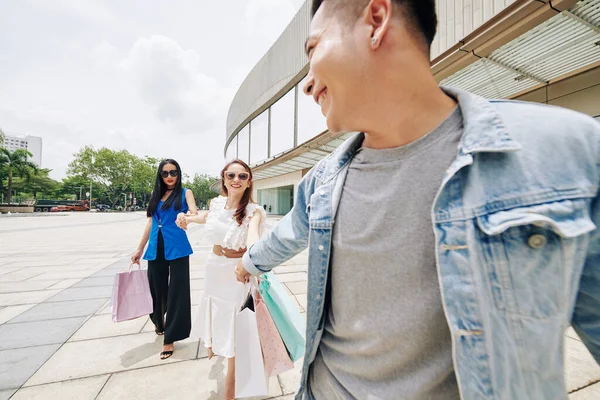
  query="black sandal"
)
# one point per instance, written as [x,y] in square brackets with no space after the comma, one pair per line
[159,333]
[165,354]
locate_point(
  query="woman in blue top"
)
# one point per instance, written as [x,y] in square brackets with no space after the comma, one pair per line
[168,256]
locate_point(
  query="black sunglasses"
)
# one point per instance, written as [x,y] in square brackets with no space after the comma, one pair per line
[172,172]
[243,176]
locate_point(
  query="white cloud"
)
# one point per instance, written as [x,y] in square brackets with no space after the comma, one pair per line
[267,19]
[170,81]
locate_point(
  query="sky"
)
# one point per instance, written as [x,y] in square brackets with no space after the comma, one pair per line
[152,77]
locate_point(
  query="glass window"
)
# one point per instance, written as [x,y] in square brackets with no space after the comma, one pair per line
[282,124]
[311,121]
[259,137]
[244,143]
[231,150]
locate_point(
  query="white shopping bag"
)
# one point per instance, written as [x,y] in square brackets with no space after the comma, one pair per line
[250,377]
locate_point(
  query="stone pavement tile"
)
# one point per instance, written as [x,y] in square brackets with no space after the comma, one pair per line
[301,298]
[197,274]
[5,394]
[77,389]
[109,271]
[65,283]
[580,367]
[297,287]
[26,286]
[8,269]
[196,296]
[289,380]
[97,292]
[18,276]
[197,284]
[102,356]
[63,309]
[195,379]
[28,334]
[292,277]
[8,313]
[15,299]
[285,269]
[106,309]
[62,275]
[96,281]
[101,326]
[16,366]
[301,259]
[589,393]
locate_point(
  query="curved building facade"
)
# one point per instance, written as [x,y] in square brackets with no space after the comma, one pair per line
[523,49]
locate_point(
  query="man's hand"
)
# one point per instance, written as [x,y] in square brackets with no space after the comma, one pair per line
[241,274]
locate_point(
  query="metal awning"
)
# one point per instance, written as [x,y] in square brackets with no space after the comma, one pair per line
[565,43]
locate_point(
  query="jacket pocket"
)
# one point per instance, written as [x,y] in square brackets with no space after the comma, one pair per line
[530,255]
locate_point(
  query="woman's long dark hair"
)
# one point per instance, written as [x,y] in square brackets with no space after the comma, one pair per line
[240,213]
[160,188]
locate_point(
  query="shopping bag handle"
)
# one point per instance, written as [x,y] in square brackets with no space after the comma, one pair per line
[132,264]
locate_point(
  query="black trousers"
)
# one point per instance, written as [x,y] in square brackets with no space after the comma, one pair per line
[170,289]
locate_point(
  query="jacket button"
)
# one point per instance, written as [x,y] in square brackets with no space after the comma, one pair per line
[537,241]
[321,247]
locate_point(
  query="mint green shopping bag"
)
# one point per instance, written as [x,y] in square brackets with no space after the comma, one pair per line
[285,314]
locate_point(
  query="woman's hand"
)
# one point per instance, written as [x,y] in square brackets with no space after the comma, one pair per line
[181,221]
[136,257]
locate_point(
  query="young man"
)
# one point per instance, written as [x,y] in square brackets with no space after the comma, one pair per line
[465,237]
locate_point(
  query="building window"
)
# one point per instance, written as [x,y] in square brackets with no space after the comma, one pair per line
[231,150]
[311,121]
[259,137]
[244,143]
[282,124]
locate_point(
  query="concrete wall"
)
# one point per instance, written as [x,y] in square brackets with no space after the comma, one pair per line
[580,93]
[459,18]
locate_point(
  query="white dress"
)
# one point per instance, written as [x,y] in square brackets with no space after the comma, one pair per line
[223,294]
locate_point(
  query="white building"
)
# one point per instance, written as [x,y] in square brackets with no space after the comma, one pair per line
[533,50]
[33,144]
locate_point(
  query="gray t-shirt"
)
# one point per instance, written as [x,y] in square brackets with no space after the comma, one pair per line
[386,336]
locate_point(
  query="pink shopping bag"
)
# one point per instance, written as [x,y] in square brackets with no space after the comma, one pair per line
[131,296]
[276,358]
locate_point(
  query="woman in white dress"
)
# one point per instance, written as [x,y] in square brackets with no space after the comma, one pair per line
[233,223]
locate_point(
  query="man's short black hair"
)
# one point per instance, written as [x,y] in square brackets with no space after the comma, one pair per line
[420,12]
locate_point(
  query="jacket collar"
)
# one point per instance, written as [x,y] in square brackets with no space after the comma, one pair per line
[484,131]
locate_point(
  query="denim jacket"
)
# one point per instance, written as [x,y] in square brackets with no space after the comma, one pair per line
[517,249]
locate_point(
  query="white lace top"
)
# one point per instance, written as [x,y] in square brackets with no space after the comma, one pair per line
[222,228]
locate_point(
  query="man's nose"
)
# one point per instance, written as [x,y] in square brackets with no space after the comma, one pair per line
[310,84]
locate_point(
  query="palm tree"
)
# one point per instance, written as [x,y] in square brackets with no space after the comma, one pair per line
[17,163]
[2,137]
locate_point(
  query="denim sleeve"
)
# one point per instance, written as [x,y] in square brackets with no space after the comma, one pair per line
[287,239]
[586,318]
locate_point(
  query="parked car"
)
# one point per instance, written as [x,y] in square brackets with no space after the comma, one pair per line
[102,207]
[70,207]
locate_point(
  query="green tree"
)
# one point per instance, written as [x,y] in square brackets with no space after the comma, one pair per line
[34,184]
[72,186]
[143,176]
[200,186]
[2,137]
[113,170]
[18,164]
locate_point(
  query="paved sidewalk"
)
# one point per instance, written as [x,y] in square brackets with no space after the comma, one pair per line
[57,340]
